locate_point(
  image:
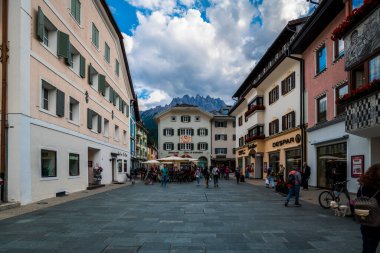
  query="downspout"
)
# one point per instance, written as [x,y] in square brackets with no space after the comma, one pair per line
[302,105]
[3,127]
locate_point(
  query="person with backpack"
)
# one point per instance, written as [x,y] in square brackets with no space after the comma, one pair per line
[269,178]
[294,184]
[369,201]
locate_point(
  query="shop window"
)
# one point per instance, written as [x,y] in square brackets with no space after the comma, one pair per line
[274,127]
[106,127]
[73,164]
[339,93]
[374,68]
[322,109]
[107,52]
[120,165]
[95,36]
[240,120]
[48,163]
[274,161]
[338,49]
[356,4]
[321,60]
[288,84]
[74,110]
[274,95]
[75,10]
[288,121]
[293,160]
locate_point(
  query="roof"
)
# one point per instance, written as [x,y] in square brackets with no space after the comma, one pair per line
[326,11]
[182,106]
[276,47]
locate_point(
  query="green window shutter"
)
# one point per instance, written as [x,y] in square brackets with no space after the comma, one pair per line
[111,95]
[127,111]
[206,131]
[114,98]
[117,66]
[60,109]
[199,146]
[99,124]
[206,146]
[121,104]
[69,59]
[78,11]
[101,84]
[95,35]
[40,24]
[89,118]
[82,70]
[63,46]
[90,74]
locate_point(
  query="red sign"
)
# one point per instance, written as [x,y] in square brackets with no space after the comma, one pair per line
[357,165]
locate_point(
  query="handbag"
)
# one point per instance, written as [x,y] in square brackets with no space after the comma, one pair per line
[367,210]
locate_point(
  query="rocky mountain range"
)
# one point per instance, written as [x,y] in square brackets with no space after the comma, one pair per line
[206,103]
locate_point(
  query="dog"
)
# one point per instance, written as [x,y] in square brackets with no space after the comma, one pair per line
[340,210]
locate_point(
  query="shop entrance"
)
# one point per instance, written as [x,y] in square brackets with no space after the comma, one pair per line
[202,162]
[93,162]
[274,161]
[293,160]
[258,171]
[331,164]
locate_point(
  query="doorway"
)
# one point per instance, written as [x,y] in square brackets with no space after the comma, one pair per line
[93,161]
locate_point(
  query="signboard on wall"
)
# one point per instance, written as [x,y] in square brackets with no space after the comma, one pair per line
[185,139]
[357,165]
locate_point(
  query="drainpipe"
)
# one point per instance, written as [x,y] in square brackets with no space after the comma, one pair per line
[302,103]
[4,70]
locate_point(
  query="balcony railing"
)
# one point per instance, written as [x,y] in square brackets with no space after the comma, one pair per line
[253,109]
[254,137]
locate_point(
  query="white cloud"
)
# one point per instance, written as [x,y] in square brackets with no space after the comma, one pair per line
[184,54]
[154,97]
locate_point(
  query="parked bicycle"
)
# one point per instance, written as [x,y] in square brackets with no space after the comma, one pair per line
[339,193]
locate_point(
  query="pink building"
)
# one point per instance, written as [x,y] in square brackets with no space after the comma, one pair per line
[329,146]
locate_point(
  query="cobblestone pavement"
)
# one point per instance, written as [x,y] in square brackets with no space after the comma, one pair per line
[180,218]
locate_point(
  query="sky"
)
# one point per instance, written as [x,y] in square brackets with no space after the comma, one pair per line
[205,47]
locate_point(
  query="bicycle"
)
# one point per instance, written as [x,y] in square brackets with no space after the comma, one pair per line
[335,194]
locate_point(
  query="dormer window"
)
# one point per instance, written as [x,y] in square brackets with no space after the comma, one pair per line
[185,119]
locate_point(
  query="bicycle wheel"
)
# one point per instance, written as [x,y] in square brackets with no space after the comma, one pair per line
[325,199]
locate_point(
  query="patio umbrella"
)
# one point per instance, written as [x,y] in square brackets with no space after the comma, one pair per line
[172,159]
[151,162]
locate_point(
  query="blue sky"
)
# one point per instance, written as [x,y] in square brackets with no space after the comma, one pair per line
[206,47]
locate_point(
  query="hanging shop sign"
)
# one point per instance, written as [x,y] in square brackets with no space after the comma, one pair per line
[296,139]
[357,165]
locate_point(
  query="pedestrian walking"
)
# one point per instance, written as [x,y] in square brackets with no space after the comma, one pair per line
[306,171]
[369,187]
[164,175]
[269,182]
[237,175]
[206,174]
[198,176]
[294,185]
[215,175]
[227,173]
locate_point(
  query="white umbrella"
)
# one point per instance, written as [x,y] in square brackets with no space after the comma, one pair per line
[151,162]
[172,159]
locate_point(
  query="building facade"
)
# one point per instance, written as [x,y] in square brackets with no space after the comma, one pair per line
[76,88]
[269,118]
[361,37]
[152,151]
[141,143]
[223,138]
[330,147]
[185,130]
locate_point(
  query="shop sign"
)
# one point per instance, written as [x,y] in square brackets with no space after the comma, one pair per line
[187,152]
[357,165]
[296,139]
[124,154]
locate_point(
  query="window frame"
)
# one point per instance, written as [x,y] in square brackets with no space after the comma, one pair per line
[55,165]
[74,11]
[95,36]
[338,54]
[318,65]
[340,109]
[274,95]
[107,53]
[75,154]
[319,113]
[185,118]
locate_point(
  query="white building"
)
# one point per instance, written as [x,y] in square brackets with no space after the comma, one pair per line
[68,98]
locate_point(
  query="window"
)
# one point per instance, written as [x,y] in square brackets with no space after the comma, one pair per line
[234,137]
[97,81]
[240,120]
[255,102]
[52,99]
[173,118]
[94,121]
[95,36]
[274,95]
[339,93]
[76,61]
[202,146]
[274,127]
[197,118]
[120,165]
[321,59]
[48,163]
[220,151]
[185,119]
[168,146]
[106,127]
[322,109]
[125,166]
[338,49]
[50,35]
[73,164]
[186,146]
[222,137]
[124,137]
[234,124]
[45,98]
[288,84]
[221,124]
[168,132]
[107,53]
[186,131]
[202,131]
[74,110]
[75,10]
[288,121]
[241,141]
[117,67]
[256,131]
[116,134]
[374,69]
[356,4]
[358,77]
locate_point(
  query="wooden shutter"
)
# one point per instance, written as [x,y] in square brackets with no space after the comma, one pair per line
[69,59]
[60,107]
[293,80]
[172,132]
[163,132]
[99,124]
[164,147]
[225,137]
[206,132]
[63,45]
[283,87]
[127,112]
[181,118]
[199,146]
[192,132]
[82,66]
[179,132]
[198,132]
[102,84]
[89,118]
[40,24]
[206,146]
[192,146]
[120,104]
[293,115]
[283,123]
[114,98]
[111,95]
[270,128]
[179,146]
[91,71]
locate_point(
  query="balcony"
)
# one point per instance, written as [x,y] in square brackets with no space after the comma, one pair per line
[254,137]
[254,109]
[363,115]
